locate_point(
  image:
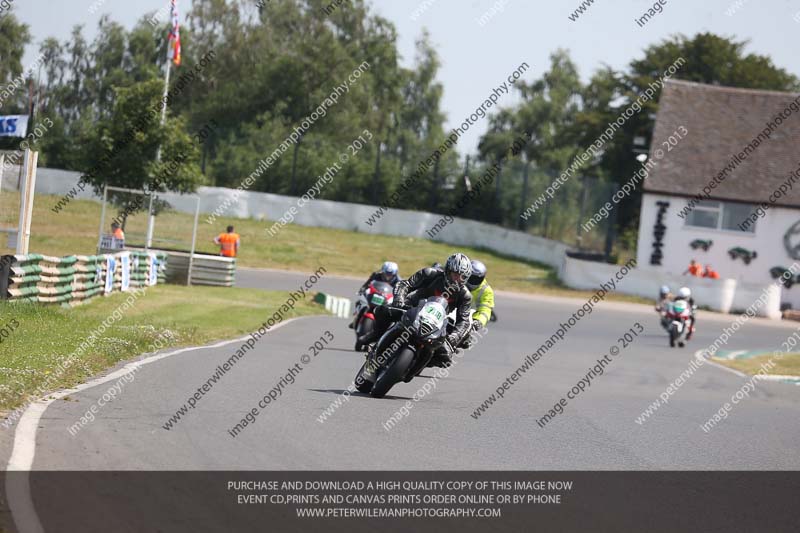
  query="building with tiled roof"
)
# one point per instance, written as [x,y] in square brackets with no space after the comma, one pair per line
[725,186]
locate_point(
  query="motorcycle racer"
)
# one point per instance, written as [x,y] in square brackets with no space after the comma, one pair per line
[483,299]
[664,298]
[449,283]
[685,293]
[389,273]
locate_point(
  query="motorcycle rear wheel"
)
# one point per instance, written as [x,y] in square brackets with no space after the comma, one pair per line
[393,373]
[673,335]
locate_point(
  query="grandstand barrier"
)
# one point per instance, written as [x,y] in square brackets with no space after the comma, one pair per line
[75,279]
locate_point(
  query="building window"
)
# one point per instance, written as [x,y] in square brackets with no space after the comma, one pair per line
[722,216]
[735,215]
[704,215]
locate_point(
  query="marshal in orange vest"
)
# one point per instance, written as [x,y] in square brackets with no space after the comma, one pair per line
[228,243]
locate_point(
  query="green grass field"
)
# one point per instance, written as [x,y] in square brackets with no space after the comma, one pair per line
[784,364]
[74,231]
[175,315]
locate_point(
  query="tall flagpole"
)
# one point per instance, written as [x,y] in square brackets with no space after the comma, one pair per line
[170,58]
[164,104]
[166,93]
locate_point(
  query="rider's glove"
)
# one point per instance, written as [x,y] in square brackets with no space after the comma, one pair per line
[451,342]
[446,359]
[469,342]
[476,325]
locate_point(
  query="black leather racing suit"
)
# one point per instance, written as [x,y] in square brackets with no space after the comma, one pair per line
[425,283]
[378,276]
[375,276]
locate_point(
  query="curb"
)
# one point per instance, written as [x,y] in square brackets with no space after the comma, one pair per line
[795,380]
[743,354]
[336,305]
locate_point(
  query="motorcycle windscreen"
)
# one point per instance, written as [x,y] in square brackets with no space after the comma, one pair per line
[431,318]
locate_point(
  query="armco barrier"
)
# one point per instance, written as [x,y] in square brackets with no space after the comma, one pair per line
[77,278]
[206,269]
[338,215]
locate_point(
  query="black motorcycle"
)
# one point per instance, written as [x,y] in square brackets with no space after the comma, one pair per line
[421,330]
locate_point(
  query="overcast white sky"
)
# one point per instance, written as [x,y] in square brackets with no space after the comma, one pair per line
[477,58]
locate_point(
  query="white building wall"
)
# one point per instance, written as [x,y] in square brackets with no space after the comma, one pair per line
[767,242]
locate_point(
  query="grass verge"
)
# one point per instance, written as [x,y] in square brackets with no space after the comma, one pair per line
[777,364]
[179,316]
[74,231]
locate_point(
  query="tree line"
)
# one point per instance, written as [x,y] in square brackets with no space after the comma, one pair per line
[272,65]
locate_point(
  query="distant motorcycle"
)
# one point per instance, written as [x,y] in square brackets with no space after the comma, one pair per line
[376,294]
[677,318]
[425,330]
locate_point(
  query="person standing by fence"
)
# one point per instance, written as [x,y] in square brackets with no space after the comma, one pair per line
[116,231]
[228,243]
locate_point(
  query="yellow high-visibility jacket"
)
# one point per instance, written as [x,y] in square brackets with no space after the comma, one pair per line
[483,299]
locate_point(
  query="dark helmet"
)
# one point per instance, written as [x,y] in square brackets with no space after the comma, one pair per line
[478,275]
[457,270]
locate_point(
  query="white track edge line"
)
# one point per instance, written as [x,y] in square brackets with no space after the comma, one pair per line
[18,495]
[699,355]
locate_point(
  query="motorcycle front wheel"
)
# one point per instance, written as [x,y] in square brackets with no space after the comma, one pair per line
[366,325]
[362,384]
[393,373]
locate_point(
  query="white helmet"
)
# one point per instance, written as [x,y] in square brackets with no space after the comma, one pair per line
[389,270]
[685,293]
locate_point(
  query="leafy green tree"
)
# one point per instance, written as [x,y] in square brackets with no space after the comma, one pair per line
[14,36]
[123,146]
[547,112]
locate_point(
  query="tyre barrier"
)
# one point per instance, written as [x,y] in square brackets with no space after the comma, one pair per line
[335,305]
[75,279]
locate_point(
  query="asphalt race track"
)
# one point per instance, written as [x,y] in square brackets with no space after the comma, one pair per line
[597,430]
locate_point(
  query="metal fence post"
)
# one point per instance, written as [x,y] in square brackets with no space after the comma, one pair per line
[26,201]
[102,218]
[194,242]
